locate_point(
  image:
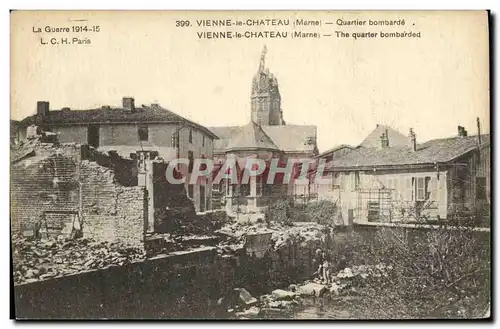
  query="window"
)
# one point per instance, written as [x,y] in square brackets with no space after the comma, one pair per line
[190,136]
[481,188]
[408,188]
[175,139]
[309,141]
[203,141]
[142,132]
[343,179]
[191,161]
[356,180]
[421,185]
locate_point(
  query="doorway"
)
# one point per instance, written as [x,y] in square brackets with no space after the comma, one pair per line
[93,136]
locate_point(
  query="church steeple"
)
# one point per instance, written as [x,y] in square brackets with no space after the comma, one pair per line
[265,98]
[262,65]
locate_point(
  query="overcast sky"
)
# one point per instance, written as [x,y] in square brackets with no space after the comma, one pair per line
[343,86]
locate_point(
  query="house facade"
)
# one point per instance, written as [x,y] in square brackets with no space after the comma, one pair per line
[438,179]
[130,129]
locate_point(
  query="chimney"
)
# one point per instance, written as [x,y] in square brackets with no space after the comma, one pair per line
[128,103]
[42,109]
[384,140]
[412,140]
[462,132]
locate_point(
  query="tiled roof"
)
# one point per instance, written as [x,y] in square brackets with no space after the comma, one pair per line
[288,138]
[395,137]
[434,151]
[336,148]
[144,114]
[250,137]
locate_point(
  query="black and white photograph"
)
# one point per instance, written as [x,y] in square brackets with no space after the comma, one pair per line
[250,165]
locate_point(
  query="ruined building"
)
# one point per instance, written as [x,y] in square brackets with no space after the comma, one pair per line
[129,129]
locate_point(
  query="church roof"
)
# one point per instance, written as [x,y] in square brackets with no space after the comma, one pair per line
[287,138]
[293,138]
[250,137]
[395,137]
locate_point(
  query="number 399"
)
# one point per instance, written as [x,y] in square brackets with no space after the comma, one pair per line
[182,23]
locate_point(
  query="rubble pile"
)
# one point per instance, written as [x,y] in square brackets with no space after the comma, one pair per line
[36,260]
[282,235]
[302,234]
[280,302]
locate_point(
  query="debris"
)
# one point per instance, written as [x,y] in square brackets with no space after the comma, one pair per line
[335,288]
[36,260]
[312,289]
[245,297]
[270,311]
[284,304]
[251,312]
[280,294]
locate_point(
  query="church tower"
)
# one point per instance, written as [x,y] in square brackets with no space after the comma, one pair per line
[266,99]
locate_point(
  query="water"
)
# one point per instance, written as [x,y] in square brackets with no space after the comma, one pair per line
[324,308]
[339,308]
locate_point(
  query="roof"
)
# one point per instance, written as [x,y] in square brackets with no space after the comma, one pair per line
[395,137]
[144,114]
[224,134]
[434,151]
[336,148]
[250,137]
[288,138]
[293,138]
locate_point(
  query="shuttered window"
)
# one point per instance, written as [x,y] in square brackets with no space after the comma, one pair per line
[409,189]
[356,180]
[396,188]
[433,189]
[420,189]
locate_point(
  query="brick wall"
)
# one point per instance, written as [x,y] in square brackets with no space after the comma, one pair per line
[110,212]
[46,181]
[56,179]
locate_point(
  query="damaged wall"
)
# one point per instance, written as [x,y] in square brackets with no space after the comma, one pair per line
[110,211]
[55,179]
[43,182]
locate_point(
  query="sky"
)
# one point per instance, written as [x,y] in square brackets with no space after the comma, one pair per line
[343,86]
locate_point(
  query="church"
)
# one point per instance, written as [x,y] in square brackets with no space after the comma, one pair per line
[266,137]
